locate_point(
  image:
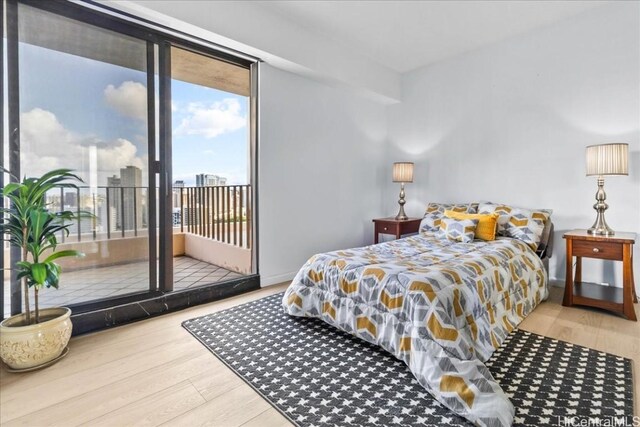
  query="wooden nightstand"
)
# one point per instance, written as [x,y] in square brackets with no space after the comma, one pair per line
[395,226]
[618,247]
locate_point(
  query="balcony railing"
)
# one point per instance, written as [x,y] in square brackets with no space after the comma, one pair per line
[221,213]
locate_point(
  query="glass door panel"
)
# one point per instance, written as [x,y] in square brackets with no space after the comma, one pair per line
[211,204]
[84,106]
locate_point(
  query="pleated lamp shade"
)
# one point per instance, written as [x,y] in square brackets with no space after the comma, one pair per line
[403,172]
[608,159]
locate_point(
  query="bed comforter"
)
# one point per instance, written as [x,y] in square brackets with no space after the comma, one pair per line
[441,307]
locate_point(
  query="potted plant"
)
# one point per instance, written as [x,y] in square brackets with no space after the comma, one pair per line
[36,338]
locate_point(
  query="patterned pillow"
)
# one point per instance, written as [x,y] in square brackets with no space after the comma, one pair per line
[503,210]
[520,223]
[435,212]
[458,230]
[487,225]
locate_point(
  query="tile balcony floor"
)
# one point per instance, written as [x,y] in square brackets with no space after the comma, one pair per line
[104,282]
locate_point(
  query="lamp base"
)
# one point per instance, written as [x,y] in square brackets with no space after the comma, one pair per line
[600,226]
[401,215]
[601,231]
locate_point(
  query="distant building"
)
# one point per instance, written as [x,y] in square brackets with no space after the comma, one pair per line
[177,192]
[191,216]
[131,181]
[115,202]
[209,180]
[71,199]
[125,198]
[176,217]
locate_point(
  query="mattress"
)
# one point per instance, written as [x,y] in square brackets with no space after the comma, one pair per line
[442,307]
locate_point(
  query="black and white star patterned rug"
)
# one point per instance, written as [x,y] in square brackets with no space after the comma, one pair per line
[318,376]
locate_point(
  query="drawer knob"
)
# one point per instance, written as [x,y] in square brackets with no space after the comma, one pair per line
[596,250]
[385,229]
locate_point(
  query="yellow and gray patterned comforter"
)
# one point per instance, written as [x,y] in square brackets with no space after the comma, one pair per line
[441,307]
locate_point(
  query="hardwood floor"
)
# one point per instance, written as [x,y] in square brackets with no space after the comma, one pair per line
[154,373]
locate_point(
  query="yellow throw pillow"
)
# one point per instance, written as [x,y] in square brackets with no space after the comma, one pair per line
[487,223]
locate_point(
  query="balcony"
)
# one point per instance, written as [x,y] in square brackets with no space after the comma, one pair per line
[211,240]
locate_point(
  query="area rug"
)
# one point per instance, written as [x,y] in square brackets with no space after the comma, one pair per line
[318,376]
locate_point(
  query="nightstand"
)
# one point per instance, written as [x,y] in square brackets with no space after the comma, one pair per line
[395,227]
[618,247]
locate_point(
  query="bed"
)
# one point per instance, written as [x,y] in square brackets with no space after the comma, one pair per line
[440,306]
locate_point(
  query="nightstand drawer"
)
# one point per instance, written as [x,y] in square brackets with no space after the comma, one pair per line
[396,227]
[387,227]
[602,250]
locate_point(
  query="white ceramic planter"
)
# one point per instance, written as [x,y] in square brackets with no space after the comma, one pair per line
[27,347]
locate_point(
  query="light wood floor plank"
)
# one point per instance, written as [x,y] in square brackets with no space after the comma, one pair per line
[91,356]
[154,410]
[213,382]
[269,418]
[230,410]
[126,339]
[154,372]
[117,395]
[77,383]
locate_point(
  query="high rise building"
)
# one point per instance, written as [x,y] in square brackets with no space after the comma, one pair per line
[71,199]
[125,198]
[115,202]
[176,217]
[177,193]
[209,180]
[131,182]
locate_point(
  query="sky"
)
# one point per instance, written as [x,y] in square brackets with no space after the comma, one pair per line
[91,116]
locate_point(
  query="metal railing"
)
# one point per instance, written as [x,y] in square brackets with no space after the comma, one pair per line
[116,211]
[221,213]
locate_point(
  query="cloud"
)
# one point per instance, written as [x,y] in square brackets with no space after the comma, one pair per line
[129,99]
[209,152]
[219,118]
[46,144]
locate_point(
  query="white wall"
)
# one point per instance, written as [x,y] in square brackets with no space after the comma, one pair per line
[256,30]
[509,123]
[320,153]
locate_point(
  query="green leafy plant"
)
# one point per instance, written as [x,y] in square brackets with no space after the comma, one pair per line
[28,224]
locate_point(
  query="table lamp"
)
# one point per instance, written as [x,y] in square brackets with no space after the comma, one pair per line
[605,159]
[402,173]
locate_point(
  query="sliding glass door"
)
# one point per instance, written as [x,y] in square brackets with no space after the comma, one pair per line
[211,168]
[84,104]
[161,132]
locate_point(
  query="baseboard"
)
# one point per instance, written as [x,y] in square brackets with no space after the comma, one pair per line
[555,282]
[276,280]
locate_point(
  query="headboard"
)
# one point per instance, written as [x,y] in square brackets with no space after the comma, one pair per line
[545,248]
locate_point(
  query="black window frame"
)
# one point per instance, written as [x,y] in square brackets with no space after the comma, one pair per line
[107,312]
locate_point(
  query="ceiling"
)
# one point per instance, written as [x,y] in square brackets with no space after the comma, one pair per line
[405,35]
